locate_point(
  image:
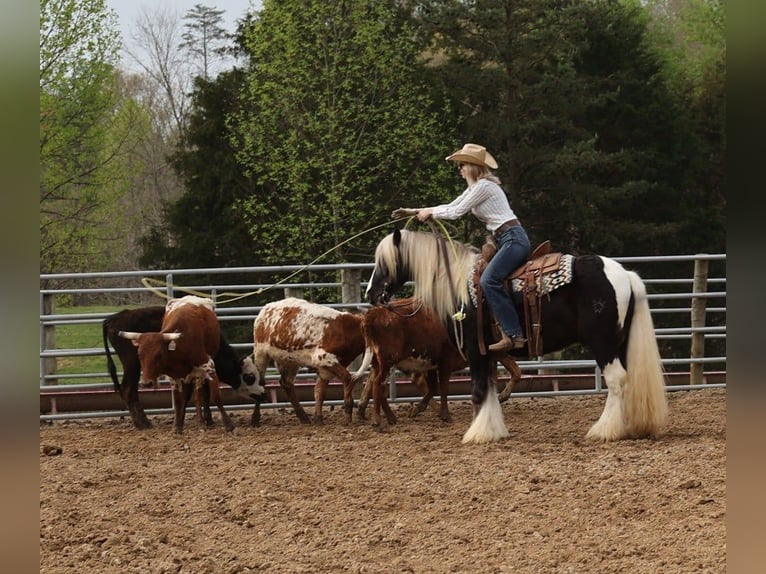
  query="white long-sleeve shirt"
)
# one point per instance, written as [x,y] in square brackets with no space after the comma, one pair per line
[485,199]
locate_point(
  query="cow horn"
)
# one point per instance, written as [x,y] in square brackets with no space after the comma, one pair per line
[171,336]
[130,335]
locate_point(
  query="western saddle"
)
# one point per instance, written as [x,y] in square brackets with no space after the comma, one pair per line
[541,262]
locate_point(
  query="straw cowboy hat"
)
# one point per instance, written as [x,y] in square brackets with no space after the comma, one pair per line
[474,153]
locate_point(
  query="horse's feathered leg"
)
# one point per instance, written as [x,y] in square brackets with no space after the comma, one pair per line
[488,424]
[636,405]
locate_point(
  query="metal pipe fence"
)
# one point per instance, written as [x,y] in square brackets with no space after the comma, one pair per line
[696,279]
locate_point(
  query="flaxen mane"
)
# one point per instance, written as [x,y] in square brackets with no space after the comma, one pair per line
[440,273]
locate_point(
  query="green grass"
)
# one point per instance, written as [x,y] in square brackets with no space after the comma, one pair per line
[82,336]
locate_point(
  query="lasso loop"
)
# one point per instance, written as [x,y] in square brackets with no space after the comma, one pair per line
[234,296]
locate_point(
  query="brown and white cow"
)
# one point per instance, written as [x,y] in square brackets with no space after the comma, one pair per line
[231,368]
[183,350]
[295,333]
[409,336]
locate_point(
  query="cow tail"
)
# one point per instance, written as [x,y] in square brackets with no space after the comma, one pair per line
[366,362]
[109,361]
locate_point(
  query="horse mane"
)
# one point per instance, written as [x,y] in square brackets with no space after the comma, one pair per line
[419,254]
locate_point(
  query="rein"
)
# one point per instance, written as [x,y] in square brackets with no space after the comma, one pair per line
[392,307]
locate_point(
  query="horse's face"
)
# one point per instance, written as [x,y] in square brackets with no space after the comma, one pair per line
[388,277]
[382,286]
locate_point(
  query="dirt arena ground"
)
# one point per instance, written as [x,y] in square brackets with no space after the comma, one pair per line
[292,498]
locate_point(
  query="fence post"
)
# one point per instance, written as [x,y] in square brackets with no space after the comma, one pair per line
[49,364]
[350,285]
[351,292]
[294,292]
[169,285]
[698,321]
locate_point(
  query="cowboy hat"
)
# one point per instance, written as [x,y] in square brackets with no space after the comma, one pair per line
[474,153]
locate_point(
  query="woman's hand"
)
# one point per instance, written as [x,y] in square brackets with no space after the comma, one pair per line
[403,212]
[425,213]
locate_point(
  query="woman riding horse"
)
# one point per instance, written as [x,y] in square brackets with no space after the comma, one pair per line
[487,201]
[599,304]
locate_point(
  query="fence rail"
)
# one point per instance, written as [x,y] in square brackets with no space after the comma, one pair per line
[674,279]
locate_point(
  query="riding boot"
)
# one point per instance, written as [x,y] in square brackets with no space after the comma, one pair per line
[507,343]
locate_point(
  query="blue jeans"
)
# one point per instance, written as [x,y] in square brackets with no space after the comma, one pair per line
[512,250]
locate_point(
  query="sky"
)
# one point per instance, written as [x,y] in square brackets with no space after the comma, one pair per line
[129,10]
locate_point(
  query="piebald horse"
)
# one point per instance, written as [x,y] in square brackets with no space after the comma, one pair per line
[602,306]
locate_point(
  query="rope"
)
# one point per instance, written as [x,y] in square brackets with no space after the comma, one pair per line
[234,296]
[392,307]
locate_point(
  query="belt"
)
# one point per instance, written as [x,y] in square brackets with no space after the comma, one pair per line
[505,227]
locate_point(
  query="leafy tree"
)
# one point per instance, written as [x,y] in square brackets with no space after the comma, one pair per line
[689,36]
[204,37]
[571,97]
[81,130]
[204,227]
[336,126]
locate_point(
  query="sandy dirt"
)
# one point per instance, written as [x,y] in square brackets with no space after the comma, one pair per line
[293,498]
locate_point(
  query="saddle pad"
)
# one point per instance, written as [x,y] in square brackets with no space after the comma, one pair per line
[548,282]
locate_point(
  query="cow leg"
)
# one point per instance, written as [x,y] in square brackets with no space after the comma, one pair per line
[514,370]
[214,392]
[426,384]
[201,402]
[286,378]
[349,382]
[129,394]
[386,406]
[179,407]
[364,399]
[380,399]
[260,363]
[320,388]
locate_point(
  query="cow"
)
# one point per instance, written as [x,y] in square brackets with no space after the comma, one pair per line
[295,333]
[409,336]
[231,369]
[183,349]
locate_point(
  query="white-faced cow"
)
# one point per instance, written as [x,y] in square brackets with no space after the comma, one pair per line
[231,368]
[183,350]
[409,336]
[295,333]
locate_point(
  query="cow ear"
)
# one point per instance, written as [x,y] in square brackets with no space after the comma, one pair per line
[397,237]
[135,342]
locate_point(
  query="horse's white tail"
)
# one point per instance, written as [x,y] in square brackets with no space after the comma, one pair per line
[488,424]
[644,405]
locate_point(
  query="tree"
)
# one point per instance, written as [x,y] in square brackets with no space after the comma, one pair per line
[156,48]
[82,130]
[571,98]
[205,225]
[204,37]
[690,37]
[336,126]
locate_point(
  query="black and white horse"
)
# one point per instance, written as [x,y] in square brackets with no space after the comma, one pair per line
[604,307]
